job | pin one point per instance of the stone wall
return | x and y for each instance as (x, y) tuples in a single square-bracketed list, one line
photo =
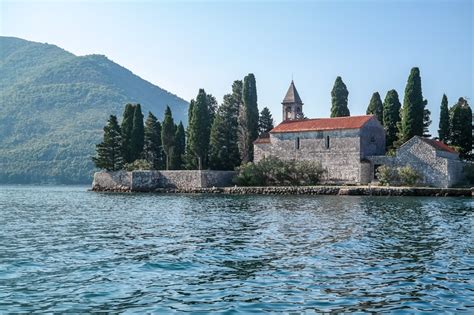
[(112, 181), (372, 139), (152, 180)]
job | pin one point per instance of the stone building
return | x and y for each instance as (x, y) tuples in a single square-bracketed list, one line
[(340, 144), (437, 163), (351, 148)]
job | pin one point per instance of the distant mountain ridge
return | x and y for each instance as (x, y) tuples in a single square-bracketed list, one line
[(54, 105)]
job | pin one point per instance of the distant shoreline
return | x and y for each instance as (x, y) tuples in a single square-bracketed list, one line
[(313, 190)]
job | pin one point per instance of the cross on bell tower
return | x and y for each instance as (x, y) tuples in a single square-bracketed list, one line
[(292, 104)]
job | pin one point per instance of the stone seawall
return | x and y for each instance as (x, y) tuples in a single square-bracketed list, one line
[(319, 190), (148, 181)]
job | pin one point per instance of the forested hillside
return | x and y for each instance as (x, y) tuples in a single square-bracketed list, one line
[(54, 104)]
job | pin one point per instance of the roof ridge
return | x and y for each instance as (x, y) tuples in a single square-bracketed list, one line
[(315, 124)]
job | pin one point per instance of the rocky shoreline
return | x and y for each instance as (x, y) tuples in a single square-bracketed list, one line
[(314, 190)]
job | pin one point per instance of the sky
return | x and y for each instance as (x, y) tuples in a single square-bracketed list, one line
[(182, 46)]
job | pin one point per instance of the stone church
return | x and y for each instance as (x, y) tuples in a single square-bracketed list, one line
[(350, 148)]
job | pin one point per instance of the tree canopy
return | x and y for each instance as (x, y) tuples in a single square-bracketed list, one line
[(265, 121), (413, 114), (339, 95), (376, 107), (443, 131), (109, 151), (153, 149), (391, 117), (168, 136)]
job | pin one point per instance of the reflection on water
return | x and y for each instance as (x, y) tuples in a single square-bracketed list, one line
[(65, 249)]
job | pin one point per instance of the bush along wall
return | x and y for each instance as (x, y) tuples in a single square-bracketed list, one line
[(398, 176), (273, 171)]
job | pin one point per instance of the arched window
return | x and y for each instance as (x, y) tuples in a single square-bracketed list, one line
[(297, 143), (327, 142)]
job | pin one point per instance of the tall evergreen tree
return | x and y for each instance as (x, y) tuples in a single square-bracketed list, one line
[(461, 127), (443, 131), (127, 126), (168, 136), (248, 118), (153, 149), (109, 151), (199, 131), (224, 150), (212, 108), (179, 148), (189, 158), (376, 107), (137, 133), (413, 112), (339, 96), (391, 117), (265, 121)]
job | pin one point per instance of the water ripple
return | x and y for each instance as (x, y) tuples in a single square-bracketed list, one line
[(63, 249)]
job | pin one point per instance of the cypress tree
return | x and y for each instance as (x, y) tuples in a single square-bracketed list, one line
[(248, 119), (168, 136), (199, 131), (413, 115), (443, 131), (109, 151), (127, 126), (339, 96), (137, 133), (179, 147), (224, 150), (153, 149), (461, 128), (376, 107), (189, 159), (391, 117), (265, 122), (212, 108)]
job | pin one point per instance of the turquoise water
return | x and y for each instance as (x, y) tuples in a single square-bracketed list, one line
[(66, 249)]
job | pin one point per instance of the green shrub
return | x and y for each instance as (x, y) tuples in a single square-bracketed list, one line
[(408, 176), (392, 176), (272, 171), (138, 165), (387, 175)]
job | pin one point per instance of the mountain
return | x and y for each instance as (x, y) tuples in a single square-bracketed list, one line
[(53, 106)]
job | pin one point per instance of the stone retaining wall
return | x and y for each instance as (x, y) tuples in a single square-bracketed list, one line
[(147, 181), (331, 190)]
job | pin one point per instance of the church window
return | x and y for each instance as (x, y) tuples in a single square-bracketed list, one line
[(297, 143), (327, 142)]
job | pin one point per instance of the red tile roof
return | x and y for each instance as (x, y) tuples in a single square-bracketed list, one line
[(438, 145), (319, 124)]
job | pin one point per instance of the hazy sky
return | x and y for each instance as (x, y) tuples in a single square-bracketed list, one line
[(188, 45)]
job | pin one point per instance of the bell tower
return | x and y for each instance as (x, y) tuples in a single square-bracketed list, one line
[(292, 104)]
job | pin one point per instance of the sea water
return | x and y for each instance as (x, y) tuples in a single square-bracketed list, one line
[(68, 249)]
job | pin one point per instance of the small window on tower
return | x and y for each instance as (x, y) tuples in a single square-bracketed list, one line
[(327, 142), (297, 143)]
